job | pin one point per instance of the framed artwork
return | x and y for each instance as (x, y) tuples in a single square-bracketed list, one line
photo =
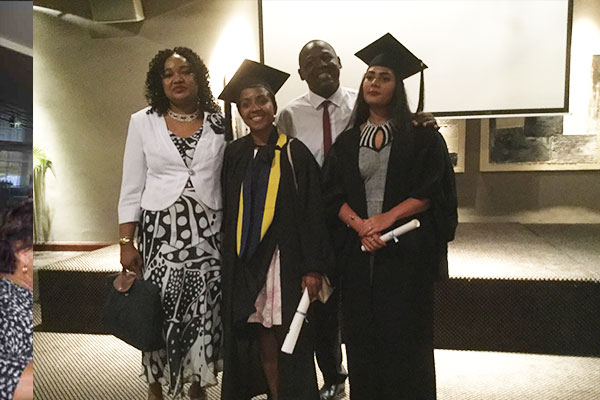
[(453, 131), (536, 144), (549, 143)]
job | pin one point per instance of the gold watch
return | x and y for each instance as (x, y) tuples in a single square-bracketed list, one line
[(124, 240)]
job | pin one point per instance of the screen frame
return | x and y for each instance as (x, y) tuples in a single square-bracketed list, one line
[(477, 113)]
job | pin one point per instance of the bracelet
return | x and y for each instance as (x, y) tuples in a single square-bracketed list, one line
[(125, 240), (352, 219)]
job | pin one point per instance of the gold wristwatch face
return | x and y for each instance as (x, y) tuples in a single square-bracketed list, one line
[(124, 240)]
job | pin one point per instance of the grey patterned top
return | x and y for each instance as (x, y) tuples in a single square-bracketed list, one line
[(368, 134), (16, 337), (373, 170)]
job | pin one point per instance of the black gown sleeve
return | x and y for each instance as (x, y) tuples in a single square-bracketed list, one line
[(310, 217), (334, 194), (429, 164), (436, 182)]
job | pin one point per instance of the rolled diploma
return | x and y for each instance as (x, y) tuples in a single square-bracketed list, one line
[(401, 230), (290, 339)]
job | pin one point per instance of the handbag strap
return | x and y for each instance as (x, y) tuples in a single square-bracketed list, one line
[(124, 281)]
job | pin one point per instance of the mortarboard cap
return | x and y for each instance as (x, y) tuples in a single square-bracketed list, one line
[(389, 52), (250, 74)]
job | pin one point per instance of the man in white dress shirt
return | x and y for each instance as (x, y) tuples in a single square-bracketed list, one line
[(317, 125), (303, 117)]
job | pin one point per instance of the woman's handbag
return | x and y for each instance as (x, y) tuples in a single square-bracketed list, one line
[(133, 312)]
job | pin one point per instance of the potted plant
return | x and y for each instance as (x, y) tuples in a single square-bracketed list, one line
[(41, 211)]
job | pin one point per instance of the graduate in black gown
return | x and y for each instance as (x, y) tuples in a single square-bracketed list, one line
[(274, 246), (379, 174)]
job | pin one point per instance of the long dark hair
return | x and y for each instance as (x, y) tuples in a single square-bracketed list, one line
[(155, 95), (16, 234), (401, 114)]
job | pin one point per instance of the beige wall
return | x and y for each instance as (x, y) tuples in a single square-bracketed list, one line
[(88, 79)]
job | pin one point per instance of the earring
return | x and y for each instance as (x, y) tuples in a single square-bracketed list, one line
[(25, 269)]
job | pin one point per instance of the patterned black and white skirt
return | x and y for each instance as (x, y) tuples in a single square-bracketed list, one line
[(180, 253)]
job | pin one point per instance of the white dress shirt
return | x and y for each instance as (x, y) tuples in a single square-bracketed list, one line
[(302, 118), (154, 174)]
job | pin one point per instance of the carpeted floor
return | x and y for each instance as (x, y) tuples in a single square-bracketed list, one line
[(510, 250), (483, 250), (99, 367)]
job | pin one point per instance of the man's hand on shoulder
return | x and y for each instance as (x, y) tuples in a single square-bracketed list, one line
[(425, 119)]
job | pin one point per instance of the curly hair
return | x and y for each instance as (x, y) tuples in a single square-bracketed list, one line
[(155, 95), (16, 234)]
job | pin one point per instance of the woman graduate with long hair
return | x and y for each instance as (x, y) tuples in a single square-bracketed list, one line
[(379, 174)]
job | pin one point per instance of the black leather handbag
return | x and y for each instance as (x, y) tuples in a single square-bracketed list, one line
[(133, 312)]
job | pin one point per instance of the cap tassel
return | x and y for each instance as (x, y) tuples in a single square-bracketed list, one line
[(228, 122), (421, 94)]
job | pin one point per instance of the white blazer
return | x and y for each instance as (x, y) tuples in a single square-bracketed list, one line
[(154, 174)]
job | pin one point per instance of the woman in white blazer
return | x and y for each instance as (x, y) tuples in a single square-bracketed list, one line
[(171, 194)]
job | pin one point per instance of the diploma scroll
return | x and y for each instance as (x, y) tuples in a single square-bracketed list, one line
[(290, 339), (399, 231)]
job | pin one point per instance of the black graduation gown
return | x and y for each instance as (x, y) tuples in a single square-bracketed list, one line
[(388, 308), (298, 229)]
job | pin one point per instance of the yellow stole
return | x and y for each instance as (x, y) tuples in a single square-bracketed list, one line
[(270, 200)]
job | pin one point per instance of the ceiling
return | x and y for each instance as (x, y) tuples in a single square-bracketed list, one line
[(16, 22)]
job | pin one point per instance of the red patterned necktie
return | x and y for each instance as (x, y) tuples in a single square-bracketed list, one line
[(326, 128)]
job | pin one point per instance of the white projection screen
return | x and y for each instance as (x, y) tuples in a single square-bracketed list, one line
[(484, 56)]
